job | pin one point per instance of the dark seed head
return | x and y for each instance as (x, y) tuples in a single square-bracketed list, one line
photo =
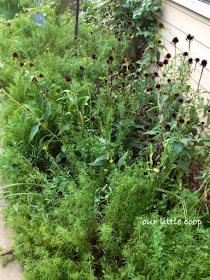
[(119, 39), (197, 60), (15, 55), (185, 54), (92, 119), (21, 63), (146, 75), (160, 64), (67, 48), (157, 86), (106, 81), (159, 42), (180, 100), (168, 55), (165, 61), (31, 64), (1, 86), (75, 38), (34, 80), (204, 63), (190, 61), (41, 75), (138, 73), (175, 40), (155, 74), (176, 94), (165, 93), (169, 80), (161, 25), (189, 37), (174, 115), (81, 68), (67, 78), (181, 120), (129, 23), (8, 24), (111, 58), (202, 123), (91, 32), (167, 127), (93, 56)]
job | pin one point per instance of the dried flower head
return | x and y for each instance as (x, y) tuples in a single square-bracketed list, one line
[(185, 54), (106, 81), (175, 40), (41, 75), (159, 42), (15, 55), (93, 56), (167, 127), (180, 100), (161, 25), (31, 64), (75, 38), (43, 121), (158, 86), (91, 32), (181, 120), (160, 64), (165, 61), (81, 68), (146, 75), (155, 74), (190, 61), (138, 73), (111, 58), (168, 55), (1, 86), (8, 24), (21, 63), (124, 67), (176, 94), (133, 68), (189, 37), (35, 80), (119, 39), (204, 63), (197, 60), (92, 119), (108, 61), (67, 78), (169, 80), (174, 115), (67, 48), (129, 23), (165, 93)]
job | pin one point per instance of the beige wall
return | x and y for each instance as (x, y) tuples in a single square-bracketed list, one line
[(182, 21)]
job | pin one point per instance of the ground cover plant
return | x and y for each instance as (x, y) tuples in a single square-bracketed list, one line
[(95, 145)]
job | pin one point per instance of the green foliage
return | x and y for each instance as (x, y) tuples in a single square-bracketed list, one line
[(94, 145)]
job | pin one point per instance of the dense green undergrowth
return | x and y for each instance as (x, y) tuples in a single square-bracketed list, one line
[(100, 155)]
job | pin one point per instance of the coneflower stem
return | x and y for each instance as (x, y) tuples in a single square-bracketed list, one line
[(89, 95), (200, 78)]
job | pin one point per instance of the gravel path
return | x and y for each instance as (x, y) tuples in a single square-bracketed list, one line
[(12, 271)]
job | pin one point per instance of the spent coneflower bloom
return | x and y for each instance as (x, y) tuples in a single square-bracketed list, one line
[(176, 94), (155, 74), (138, 73), (1, 86), (34, 80), (67, 78), (168, 55), (111, 58), (67, 48), (180, 100), (81, 68), (165, 61), (92, 119), (159, 42), (161, 25), (8, 24), (119, 39), (189, 37), (15, 55), (185, 54), (175, 41), (203, 64), (129, 23), (158, 86), (197, 60), (31, 64), (146, 75), (21, 63), (169, 80), (190, 61), (167, 127), (160, 64), (108, 61), (165, 93), (93, 56), (41, 75), (174, 115), (181, 120)]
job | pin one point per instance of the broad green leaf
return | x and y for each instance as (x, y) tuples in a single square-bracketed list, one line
[(24, 117), (48, 111), (43, 89), (194, 131), (99, 160), (8, 106), (182, 165), (188, 152), (163, 98), (158, 56), (41, 101), (151, 132), (185, 141), (34, 130), (73, 85), (207, 143), (177, 150), (29, 108), (122, 159), (60, 156), (1, 250), (64, 128)]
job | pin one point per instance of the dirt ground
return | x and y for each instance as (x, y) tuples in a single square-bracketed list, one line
[(12, 271)]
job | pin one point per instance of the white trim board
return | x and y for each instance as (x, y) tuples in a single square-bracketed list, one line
[(196, 6)]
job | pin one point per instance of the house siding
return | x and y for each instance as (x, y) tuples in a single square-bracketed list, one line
[(182, 21)]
